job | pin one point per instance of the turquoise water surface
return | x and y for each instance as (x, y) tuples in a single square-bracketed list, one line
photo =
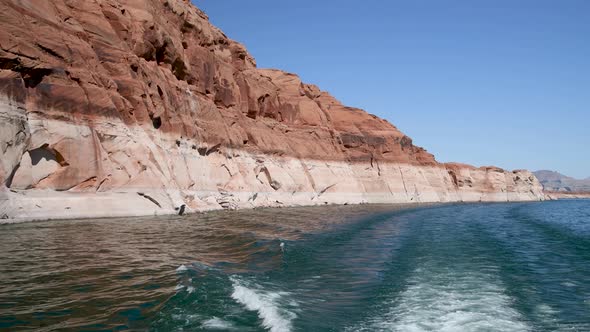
[(472, 267)]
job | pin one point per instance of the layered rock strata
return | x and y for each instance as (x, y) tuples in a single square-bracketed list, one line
[(137, 107)]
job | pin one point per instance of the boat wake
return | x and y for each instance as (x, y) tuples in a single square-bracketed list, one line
[(448, 301), (268, 305)]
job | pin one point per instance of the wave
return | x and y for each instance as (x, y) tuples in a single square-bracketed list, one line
[(266, 303), (217, 324), (448, 301)]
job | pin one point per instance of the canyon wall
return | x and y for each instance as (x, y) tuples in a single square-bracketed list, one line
[(142, 107)]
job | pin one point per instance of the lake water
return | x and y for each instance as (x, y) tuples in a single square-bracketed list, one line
[(476, 267)]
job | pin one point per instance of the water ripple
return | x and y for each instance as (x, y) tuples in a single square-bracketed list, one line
[(480, 267)]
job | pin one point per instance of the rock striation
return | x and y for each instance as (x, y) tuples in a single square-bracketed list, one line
[(141, 107)]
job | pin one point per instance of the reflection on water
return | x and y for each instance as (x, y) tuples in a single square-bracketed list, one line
[(115, 272)]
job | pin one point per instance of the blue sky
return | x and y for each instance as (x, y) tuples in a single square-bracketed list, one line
[(499, 82)]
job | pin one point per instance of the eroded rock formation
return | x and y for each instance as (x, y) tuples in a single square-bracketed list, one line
[(136, 107)]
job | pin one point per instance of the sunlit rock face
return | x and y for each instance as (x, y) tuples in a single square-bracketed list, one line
[(136, 107)]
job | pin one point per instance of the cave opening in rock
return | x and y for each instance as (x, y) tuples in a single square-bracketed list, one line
[(41, 153), (157, 122), (161, 53), (47, 153)]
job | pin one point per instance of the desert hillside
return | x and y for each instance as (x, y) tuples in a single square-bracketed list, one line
[(557, 182)]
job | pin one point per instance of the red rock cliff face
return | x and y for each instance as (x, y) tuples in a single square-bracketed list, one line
[(137, 60), (103, 94)]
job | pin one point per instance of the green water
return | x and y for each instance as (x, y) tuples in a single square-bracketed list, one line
[(482, 267)]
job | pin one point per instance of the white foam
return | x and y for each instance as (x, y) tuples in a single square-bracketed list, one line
[(265, 303), (546, 312), (217, 324), (569, 284), (452, 301), (181, 268)]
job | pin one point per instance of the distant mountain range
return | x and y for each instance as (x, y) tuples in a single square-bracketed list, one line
[(554, 181)]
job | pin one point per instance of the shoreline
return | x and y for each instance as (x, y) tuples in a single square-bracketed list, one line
[(377, 207), (234, 179), (52, 206), (562, 196)]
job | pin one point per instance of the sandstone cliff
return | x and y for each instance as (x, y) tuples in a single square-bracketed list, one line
[(136, 107)]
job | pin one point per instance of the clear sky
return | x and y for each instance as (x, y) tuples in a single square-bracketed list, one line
[(490, 82)]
